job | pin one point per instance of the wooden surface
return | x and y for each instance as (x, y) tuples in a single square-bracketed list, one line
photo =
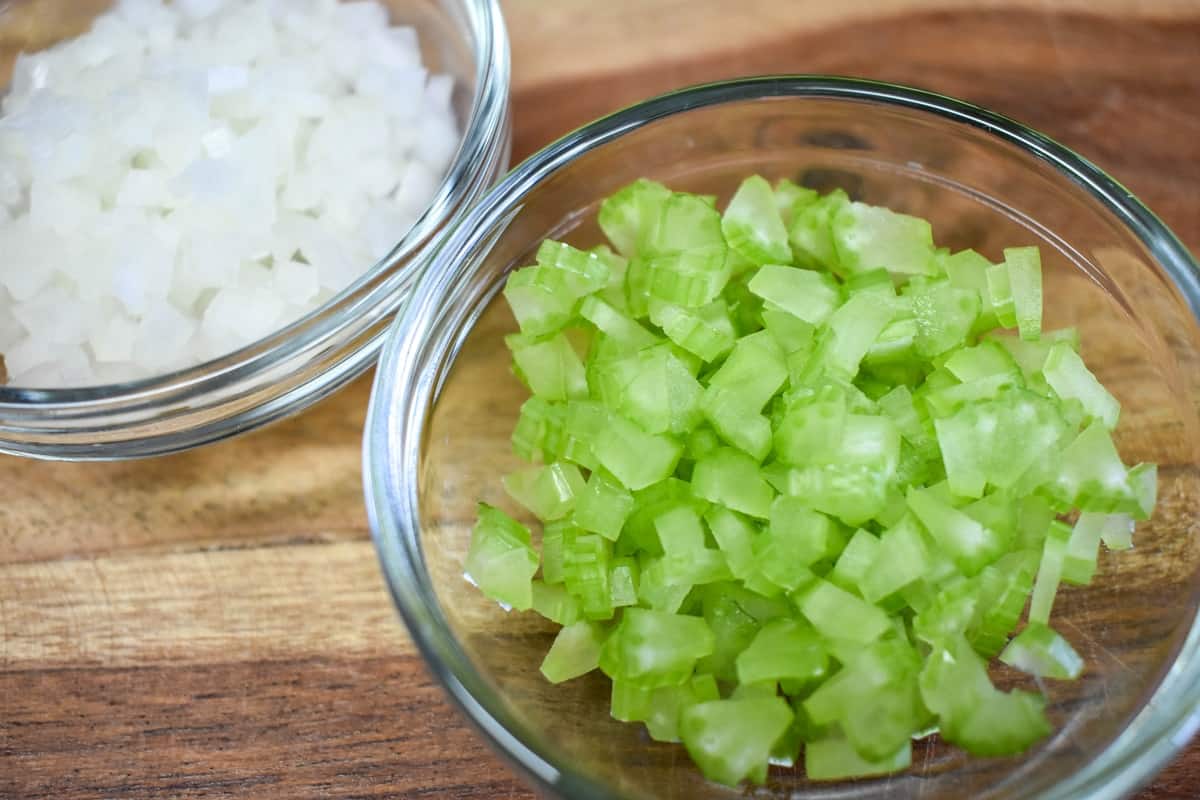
[(213, 624)]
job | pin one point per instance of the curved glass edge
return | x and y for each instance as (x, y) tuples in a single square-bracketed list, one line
[(32, 419), (392, 447)]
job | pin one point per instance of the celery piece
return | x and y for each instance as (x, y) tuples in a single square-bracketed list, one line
[(582, 272), (948, 614), (732, 626), (750, 376), (575, 652), (630, 703), (1001, 295), (811, 426), (1143, 485), (657, 590), (900, 560), (684, 253), (1033, 520), (833, 758), (652, 387), (810, 233), (795, 536), (894, 344), (540, 432), (555, 603), (1070, 379), (1116, 530), (872, 237), (616, 325), (849, 334), (731, 740), (1025, 280), (584, 423), (1049, 573), (735, 536), (944, 314), (585, 572), (706, 332), (679, 530), (753, 226), (984, 360), (803, 293), (793, 335), (636, 458), (539, 306), (627, 215), (1001, 591), (1083, 547), (554, 537), (655, 648), (548, 491), (854, 493), (623, 582), (731, 478), (1042, 652), (1091, 475), (967, 269), (651, 503), (550, 367), (783, 649), (915, 428), (855, 561), (876, 282), (501, 560), (603, 506), (969, 544), (790, 197), (836, 613), (668, 703)]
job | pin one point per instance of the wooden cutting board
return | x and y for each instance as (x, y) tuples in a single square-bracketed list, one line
[(213, 624)]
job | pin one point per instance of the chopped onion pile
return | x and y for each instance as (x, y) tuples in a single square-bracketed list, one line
[(188, 177), (796, 488)]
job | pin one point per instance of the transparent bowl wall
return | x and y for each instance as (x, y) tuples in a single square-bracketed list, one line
[(319, 353), (445, 402)]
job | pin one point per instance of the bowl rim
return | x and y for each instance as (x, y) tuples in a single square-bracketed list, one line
[(245, 389), (404, 389)]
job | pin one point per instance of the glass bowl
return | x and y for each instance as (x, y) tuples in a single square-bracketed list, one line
[(322, 351), (445, 401)]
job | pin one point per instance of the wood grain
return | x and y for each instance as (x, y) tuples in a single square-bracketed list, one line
[(213, 624)]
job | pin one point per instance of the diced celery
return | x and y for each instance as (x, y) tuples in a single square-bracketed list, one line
[(1143, 485), (1091, 475), (1116, 530), (1025, 280), (855, 561), (654, 648), (793, 335), (1042, 652), (983, 360), (636, 458), (550, 367), (811, 427), (668, 703), (834, 758), (582, 272), (1083, 547), (540, 432), (854, 493), (731, 740), (501, 560), (554, 602), (603, 506), (969, 544), (575, 652), (1049, 573), (1001, 295), (732, 479), (1001, 591), (949, 614), (539, 308), (554, 536), (652, 387), (615, 325), (684, 253), (548, 491), (967, 269), (706, 332), (657, 588), (790, 197), (735, 536), (806, 294), (753, 226), (1070, 379), (784, 649), (751, 375), (944, 314), (811, 235), (623, 582), (585, 572), (836, 613), (849, 334), (900, 560), (626, 216), (630, 703), (872, 237), (899, 406), (732, 626)]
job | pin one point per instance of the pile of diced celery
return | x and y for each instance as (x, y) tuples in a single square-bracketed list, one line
[(796, 487)]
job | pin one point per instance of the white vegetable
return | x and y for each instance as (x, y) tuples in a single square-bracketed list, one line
[(190, 176)]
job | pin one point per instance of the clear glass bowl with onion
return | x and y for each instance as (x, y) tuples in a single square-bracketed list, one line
[(445, 401), (321, 351)]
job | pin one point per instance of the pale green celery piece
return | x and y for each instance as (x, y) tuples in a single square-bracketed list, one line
[(554, 602), (943, 402), (586, 559), (548, 491), (1143, 484), (685, 253), (806, 294), (550, 367), (854, 493), (870, 440), (794, 335), (584, 422), (967, 269), (750, 376), (895, 343), (945, 315), (623, 582), (656, 589), (630, 703), (731, 478), (850, 332), (901, 559), (783, 649), (872, 237), (833, 758), (501, 560), (998, 510), (655, 648), (651, 387), (1049, 573), (969, 544), (790, 198), (732, 626), (1033, 520), (701, 441), (1025, 280), (735, 536), (855, 561), (731, 740), (949, 613), (811, 427), (865, 671), (795, 538), (603, 506), (876, 282), (554, 537), (810, 233), (1001, 295), (914, 427), (1002, 588), (1031, 356), (616, 325), (539, 307), (1116, 530), (1079, 559), (753, 226), (706, 332), (575, 652), (628, 214), (680, 531), (984, 360), (1070, 379), (540, 432), (958, 441), (668, 703), (836, 613), (1091, 475), (651, 503), (1041, 651), (636, 458), (583, 272)]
